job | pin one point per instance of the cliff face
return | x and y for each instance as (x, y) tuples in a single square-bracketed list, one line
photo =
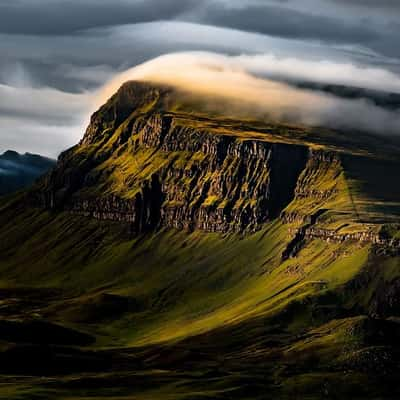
[(143, 162), (221, 184)]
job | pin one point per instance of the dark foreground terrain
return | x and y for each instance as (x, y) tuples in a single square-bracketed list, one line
[(189, 255)]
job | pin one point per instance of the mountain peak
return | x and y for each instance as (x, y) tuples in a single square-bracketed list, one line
[(131, 96)]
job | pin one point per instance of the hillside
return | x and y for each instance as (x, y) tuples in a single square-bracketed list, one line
[(179, 253), (20, 170)]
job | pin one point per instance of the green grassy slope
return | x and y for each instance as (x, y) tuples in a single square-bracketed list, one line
[(182, 283), (179, 315)]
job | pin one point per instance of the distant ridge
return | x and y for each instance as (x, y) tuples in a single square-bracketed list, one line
[(20, 170)]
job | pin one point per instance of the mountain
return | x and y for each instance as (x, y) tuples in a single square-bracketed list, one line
[(181, 252), (20, 170)]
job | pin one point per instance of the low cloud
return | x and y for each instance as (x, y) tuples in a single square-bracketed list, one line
[(322, 71), (233, 78), (47, 120)]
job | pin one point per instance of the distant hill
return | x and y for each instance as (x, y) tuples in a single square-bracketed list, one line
[(20, 170)]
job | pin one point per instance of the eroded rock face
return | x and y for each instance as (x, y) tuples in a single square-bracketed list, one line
[(235, 185), (213, 181), (143, 211)]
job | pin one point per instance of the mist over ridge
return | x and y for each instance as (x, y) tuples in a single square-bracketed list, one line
[(256, 82)]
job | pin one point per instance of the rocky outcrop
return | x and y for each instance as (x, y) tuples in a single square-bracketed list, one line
[(309, 231), (143, 212), (300, 236), (316, 185), (131, 97)]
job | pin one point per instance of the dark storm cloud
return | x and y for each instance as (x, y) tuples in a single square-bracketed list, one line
[(354, 23), (54, 17), (285, 22), (380, 4), (75, 63), (333, 21)]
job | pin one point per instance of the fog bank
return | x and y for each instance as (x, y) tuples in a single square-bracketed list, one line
[(249, 79)]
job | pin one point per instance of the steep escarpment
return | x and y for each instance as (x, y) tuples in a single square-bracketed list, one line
[(192, 177), (141, 163), (203, 181)]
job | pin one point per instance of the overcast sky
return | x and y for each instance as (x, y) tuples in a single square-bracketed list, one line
[(55, 54)]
